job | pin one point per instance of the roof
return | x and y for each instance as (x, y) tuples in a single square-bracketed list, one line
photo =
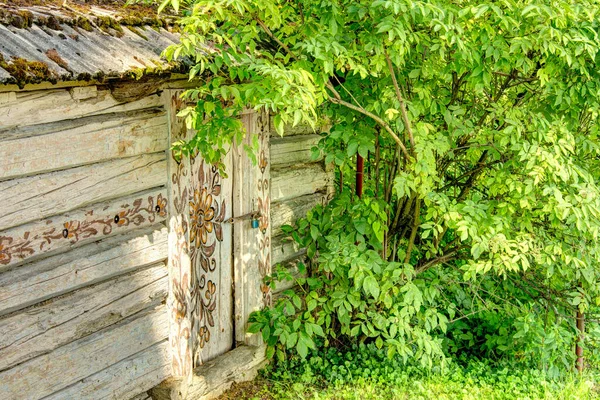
[(52, 40)]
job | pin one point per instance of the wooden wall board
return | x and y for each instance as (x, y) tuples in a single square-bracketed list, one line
[(69, 144), (251, 246), (49, 373), (286, 212), (293, 150), (44, 106), (87, 265), (42, 196), (289, 183), (45, 327), (129, 378), (63, 232)]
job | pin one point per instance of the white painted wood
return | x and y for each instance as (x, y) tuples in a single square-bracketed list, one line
[(83, 266), (7, 98), (140, 372), (46, 237), (221, 327), (71, 363), (70, 145), (215, 377), (286, 212), (301, 180), (200, 255), (43, 106), (47, 326), (293, 150), (84, 92), (29, 199), (251, 247), (179, 189)]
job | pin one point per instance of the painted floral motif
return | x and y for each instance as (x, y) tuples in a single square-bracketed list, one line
[(202, 214), (199, 213), (48, 236), (264, 205)]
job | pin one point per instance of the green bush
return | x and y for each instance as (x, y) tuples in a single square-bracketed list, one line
[(351, 294), (365, 372)]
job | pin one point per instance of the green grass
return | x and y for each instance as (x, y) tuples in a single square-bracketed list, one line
[(367, 374)]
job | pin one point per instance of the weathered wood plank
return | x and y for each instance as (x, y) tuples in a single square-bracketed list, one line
[(43, 106), (215, 377), (103, 138), (83, 266), (100, 121), (50, 236), (285, 249), (69, 364), (286, 212), (138, 373), (200, 255), (304, 179), (252, 246), (292, 150), (29, 199), (45, 327)]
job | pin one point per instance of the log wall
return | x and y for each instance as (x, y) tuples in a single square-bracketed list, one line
[(297, 185), (83, 245), (84, 239)]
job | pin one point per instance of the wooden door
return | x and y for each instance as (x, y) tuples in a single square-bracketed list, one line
[(209, 256), (200, 299)]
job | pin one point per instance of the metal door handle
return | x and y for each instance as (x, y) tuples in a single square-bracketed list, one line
[(235, 220)]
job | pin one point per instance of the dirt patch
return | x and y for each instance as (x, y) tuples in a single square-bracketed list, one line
[(256, 389)]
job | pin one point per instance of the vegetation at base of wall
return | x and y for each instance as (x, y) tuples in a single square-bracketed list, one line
[(364, 372), (477, 232)]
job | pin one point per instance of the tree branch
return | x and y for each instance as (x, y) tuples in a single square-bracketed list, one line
[(403, 112), (374, 117), (413, 233)]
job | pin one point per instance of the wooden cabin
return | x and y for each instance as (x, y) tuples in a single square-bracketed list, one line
[(125, 274)]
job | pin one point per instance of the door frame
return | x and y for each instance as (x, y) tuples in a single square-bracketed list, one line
[(250, 246)]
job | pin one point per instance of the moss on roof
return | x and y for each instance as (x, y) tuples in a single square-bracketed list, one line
[(48, 40)]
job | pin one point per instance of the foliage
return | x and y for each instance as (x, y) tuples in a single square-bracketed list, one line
[(479, 125), (351, 294), (364, 372)]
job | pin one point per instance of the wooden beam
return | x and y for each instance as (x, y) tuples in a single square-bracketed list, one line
[(138, 373), (301, 180), (252, 247), (69, 364), (215, 377), (293, 150), (45, 327), (60, 233), (44, 106), (86, 265), (285, 249), (286, 212), (42, 196), (66, 144)]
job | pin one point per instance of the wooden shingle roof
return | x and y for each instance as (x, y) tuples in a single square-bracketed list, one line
[(48, 40)]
